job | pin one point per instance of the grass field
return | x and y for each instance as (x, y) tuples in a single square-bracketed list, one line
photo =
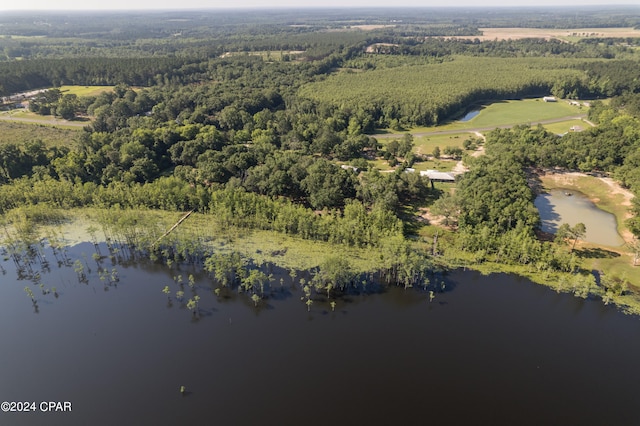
[(14, 132), (565, 126), (22, 116), (440, 165), (84, 90), (505, 113), (426, 144), (26, 114)]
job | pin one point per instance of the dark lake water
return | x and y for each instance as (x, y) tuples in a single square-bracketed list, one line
[(556, 208), (494, 350)]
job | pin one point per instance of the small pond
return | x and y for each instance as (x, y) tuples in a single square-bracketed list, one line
[(471, 114), (493, 350), (560, 206)]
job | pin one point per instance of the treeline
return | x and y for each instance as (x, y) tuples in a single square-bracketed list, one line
[(353, 225), (19, 76), (519, 48)]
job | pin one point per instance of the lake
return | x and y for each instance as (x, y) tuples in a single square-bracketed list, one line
[(496, 350), (556, 208)]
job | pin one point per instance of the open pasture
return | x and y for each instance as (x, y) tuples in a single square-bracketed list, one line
[(425, 144), (511, 113), (25, 117), (85, 90), (514, 112), (18, 133), (563, 127)]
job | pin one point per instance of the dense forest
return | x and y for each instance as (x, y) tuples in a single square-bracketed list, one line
[(267, 121)]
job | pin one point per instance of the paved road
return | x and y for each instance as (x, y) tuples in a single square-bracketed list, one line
[(481, 129)]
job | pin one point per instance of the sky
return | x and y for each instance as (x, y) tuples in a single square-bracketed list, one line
[(6, 5)]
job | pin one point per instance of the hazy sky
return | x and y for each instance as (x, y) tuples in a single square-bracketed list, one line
[(206, 4)]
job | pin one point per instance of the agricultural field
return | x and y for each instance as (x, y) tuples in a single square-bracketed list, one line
[(572, 34)]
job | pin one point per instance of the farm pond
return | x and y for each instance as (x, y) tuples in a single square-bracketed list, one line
[(496, 350), (559, 206), (469, 115)]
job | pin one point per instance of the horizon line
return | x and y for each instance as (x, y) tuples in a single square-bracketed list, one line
[(245, 8)]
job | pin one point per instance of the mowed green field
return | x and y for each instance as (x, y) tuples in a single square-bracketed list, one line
[(85, 90), (566, 126), (521, 112), (558, 117), (511, 113)]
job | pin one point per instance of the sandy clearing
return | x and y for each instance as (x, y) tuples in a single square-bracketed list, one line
[(520, 33)]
